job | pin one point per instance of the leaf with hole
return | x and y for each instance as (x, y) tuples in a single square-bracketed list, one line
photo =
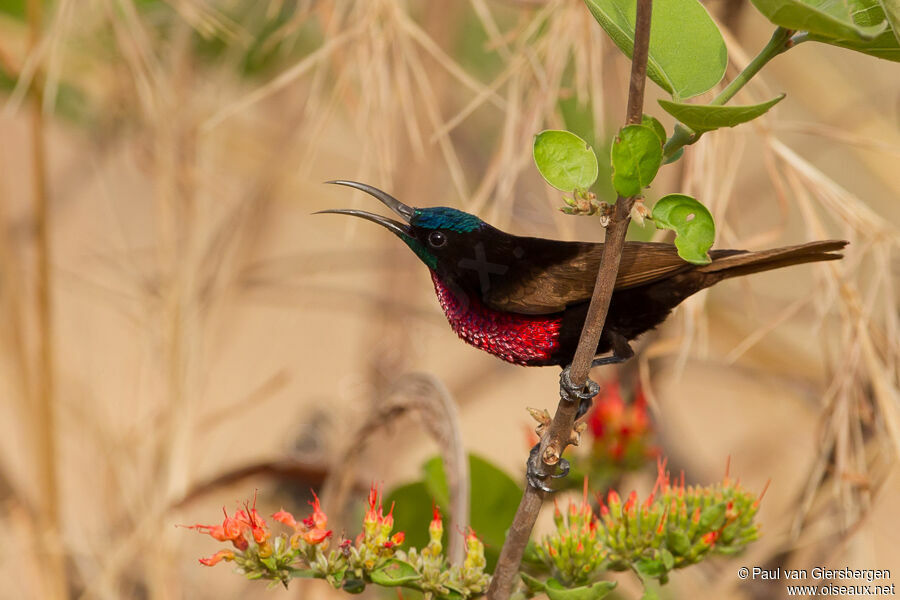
[(692, 223), (687, 53), (566, 161), (636, 156), (705, 117)]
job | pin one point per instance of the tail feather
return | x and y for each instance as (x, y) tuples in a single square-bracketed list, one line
[(744, 263)]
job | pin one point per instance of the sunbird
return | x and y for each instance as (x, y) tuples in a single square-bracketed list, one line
[(525, 299)]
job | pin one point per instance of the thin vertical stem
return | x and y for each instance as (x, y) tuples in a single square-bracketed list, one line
[(560, 430)]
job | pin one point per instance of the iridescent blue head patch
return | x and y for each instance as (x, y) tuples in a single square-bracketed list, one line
[(442, 217)]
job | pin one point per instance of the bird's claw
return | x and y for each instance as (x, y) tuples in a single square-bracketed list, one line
[(571, 392), (535, 475), (583, 395), (564, 468)]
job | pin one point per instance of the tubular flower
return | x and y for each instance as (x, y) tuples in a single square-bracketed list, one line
[(231, 530), (226, 555)]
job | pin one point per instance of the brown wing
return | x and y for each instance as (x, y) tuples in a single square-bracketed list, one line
[(559, 276)]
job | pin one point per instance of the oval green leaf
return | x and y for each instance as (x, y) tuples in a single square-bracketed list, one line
[(636, 156), (394, 572), (687, 52), (566, 161), (692, 223), (825, 18), (705, 117), (595, 591)]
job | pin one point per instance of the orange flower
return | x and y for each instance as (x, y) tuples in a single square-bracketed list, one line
[(226, 555), (316, 536), (286, 518), (318, 520), (231, 530)]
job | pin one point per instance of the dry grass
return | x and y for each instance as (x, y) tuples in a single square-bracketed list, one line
[(203, 321)]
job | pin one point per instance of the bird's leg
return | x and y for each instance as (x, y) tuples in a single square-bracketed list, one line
[(534, 473), (584, 395), (621, 351)]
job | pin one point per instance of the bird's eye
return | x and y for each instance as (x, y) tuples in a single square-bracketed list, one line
[(436, 239)]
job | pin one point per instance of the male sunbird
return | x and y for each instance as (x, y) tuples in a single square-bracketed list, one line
[(525, 299)]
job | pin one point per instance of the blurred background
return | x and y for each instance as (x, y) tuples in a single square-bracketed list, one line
[(180, 332)]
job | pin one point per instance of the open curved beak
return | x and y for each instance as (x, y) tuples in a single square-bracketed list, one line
[(404, 211)]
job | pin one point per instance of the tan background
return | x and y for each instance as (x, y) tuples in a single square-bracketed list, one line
[(203, 320)]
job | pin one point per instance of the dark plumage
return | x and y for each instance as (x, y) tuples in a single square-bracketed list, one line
[(524, 299)]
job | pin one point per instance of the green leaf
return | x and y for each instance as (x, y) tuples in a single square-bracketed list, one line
[(705, 117), (650, 593), (667, 559), (354, 586), (687, 53), (636, 157), (566, 161), (692, 223), (678, 542), (826, 18), (712, 517), (656, 126), (535, 586), (869, 13), (649, 567), (594, 591), (394, 572), (302, 573), (891, 10), (269, 563)]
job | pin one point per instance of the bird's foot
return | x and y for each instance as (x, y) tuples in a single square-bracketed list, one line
[(534, 473), (608, 360), (584, 395)]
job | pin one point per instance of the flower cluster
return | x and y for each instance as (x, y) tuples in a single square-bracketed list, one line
[(374, 556), (440, 580), (674, 527), (575, 553), (256, 552)]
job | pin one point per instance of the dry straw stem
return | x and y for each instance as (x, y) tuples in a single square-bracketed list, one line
[(560, 430), (44, 415), (424, 396)]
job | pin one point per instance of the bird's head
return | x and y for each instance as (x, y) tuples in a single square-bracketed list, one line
[(439, 235)]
